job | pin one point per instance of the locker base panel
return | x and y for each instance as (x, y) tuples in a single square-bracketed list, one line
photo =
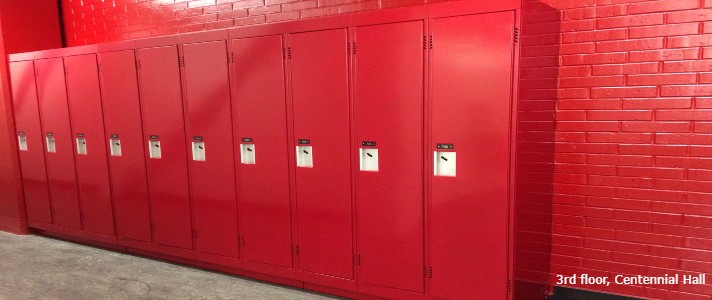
[(388, 292), (76, 235), (156, 248), (326, 280)]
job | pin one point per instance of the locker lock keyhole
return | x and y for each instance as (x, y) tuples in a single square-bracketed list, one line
[(117, 144), (157, 146), (201, 147), (443, 157), (305, 151), (248, 149), (369, 154)]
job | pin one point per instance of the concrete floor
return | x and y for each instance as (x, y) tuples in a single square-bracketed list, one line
[(34, 267)]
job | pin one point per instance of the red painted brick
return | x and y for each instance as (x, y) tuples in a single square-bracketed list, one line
[(574, 71), (571, 115), (628, 138), (543, 50), (687, 66), (578, 48), (649, 194), (201, 3), (586, 148), (592, 36), (689, 41), (299, 5), (580, 13), (587, 59), (285, 16), (247, 4), (656, 127), (629, 21), (629, 45), (663, 55), (620, 160), (587, 126), (651, 103), (217, 8), (611, 10), (700, 151), (648, 238), (673, 115), (619, 115), (578, 25), (683, 139), (684, 162), (663, 30), (662, 6), (262, 10), (616, 245), (576, 210), (589, 104), (219, 24), (240, 13), (591, 81), (689, 16), (618, 181), (651, 172), (700, 175), (705, 127), (686, 90), (250, 20), (657, 79), (627, 69)]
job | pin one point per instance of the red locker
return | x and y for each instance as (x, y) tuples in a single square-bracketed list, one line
[(164, 132), (54, 115), (209, 127), (29, 134), (321, 107), (261, 129), (471, 103), (87, 120), (388, 102), (122, 120)]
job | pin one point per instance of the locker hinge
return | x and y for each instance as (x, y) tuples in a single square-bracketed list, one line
[(296, 249), (230, 57), (195, 233), (98, 68), (138, 64), (181, 62), (242, 241), (509, 285), (430, 42), (516, 35)]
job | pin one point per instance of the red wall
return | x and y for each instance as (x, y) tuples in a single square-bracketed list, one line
[(96, 21), (628, 84), (30, 25)]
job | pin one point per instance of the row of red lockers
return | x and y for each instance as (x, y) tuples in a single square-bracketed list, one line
[(350, 158)]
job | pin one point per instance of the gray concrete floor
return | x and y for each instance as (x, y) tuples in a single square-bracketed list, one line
[(34, 267)]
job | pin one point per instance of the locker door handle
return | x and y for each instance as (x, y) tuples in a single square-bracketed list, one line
[(117, 144), (305, 151), (201, 147), (369, 154), (248, 149), (157, 146), (443, 157)]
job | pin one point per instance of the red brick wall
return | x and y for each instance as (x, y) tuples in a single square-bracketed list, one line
[(96, 21), (632, 98)]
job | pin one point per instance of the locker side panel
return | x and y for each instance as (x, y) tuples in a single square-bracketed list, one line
[(388, 105), (320, 99), (87, 121), (471, 110), (260, 115), (32, 161), (162, 113), (54, 114), (122, 119), (209, 120)]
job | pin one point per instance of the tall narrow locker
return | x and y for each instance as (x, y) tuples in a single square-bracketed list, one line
[(388, 101), (261, 129), (57, 135), (29, 135), (470, 144), (209, 129), (321, 108), (122, 120), (89, 146), (165, 142)]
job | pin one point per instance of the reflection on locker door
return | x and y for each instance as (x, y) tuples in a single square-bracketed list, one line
[(471, 111), (88, 131), (261, 121), (57, 134), (32, 161), (388, 105), (164, 132), (321, 123), (209, 125), (122, 119)]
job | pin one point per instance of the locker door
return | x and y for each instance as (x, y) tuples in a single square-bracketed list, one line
[(261, 129), (320, 97), (388, 104), (29, 134), (471, 101), (57, 136), (122, 119), (209, 126), (165, 142), (90, 150)]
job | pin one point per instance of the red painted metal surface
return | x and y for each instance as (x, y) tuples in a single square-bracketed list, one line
[(162, 114), (32, 161), (54, 115), (122, 120), (260, 114), (209, 120), (469, 213), (321, 107), (388, 99), (87, 120)]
